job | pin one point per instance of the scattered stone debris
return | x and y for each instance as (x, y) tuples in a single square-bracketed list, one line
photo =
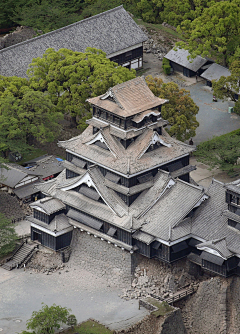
[(156, 43), (46, 262), (163, 283), (11, 207)]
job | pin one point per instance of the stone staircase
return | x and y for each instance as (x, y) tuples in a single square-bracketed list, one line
[(20, 256)]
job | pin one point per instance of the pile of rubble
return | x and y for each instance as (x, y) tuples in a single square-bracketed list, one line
[(10, 206), (162, 285), (156, 44), (45, 262)]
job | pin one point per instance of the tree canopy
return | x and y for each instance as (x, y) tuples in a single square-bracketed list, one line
[(180, 111), (47, 319), (229, 87), (8, 236), (215, 33), (71, 77), (32, 115)]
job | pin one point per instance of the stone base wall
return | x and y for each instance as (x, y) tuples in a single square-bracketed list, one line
[(101, 258), (169, 324)]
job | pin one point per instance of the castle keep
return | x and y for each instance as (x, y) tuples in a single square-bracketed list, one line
[(126, 182)]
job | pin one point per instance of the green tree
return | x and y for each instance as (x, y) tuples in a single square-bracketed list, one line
[(13, 86), (46, 15), (8, 235), (221, 152), (71, 77), (47, 319), (215, 33), (172, 12), (228, 87), (26, 118), (180, 111), (166, 66)]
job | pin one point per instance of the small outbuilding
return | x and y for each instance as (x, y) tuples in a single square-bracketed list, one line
[(215, 72), (180, 62)]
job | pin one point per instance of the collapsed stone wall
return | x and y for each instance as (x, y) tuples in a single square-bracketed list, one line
[(214, 308), (101, 258), (169, 324), (155, 277)]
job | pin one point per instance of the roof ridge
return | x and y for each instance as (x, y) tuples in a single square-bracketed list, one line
[(60, 29)]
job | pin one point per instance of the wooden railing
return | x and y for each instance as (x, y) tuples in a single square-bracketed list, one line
[(177, 296)]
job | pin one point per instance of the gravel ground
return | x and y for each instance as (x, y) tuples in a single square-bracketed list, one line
[(22, 292)]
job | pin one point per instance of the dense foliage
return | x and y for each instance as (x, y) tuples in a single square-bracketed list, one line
[(25, 114), (215, 33), (221, 152), (180, 111), (59, 73), (52, 14), (8, 235)]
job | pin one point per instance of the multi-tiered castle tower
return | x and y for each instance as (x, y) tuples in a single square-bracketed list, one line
[(126, 181)]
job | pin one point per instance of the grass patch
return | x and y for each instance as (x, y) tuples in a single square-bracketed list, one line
[(163, 307), (221, 152), (36, 152), (159, 27), (89, 327)]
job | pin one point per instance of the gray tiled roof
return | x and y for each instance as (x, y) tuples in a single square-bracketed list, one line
[(73, 168), (215, 72), (127, 161), (144, 237), (111, 31), (180, 57), (25, 191), (132, 97), (165, 217), (234, 186), (49, 205), (59, 223), (11, 176), (218, 245), (210, 221), (46, 166)]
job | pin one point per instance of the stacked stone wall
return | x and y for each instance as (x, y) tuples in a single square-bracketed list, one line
[(101, 258), (169, 324)]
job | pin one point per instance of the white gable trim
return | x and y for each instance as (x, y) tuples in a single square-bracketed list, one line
[(86, 179), (154, 140), (54, 234), (211, 251), (100, 137), (202, 199), (38, 208), (107, 94)]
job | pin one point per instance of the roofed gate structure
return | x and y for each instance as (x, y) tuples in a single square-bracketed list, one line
[(126, 181)]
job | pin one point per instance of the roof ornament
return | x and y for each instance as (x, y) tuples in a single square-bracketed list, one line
[(108, 94)]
